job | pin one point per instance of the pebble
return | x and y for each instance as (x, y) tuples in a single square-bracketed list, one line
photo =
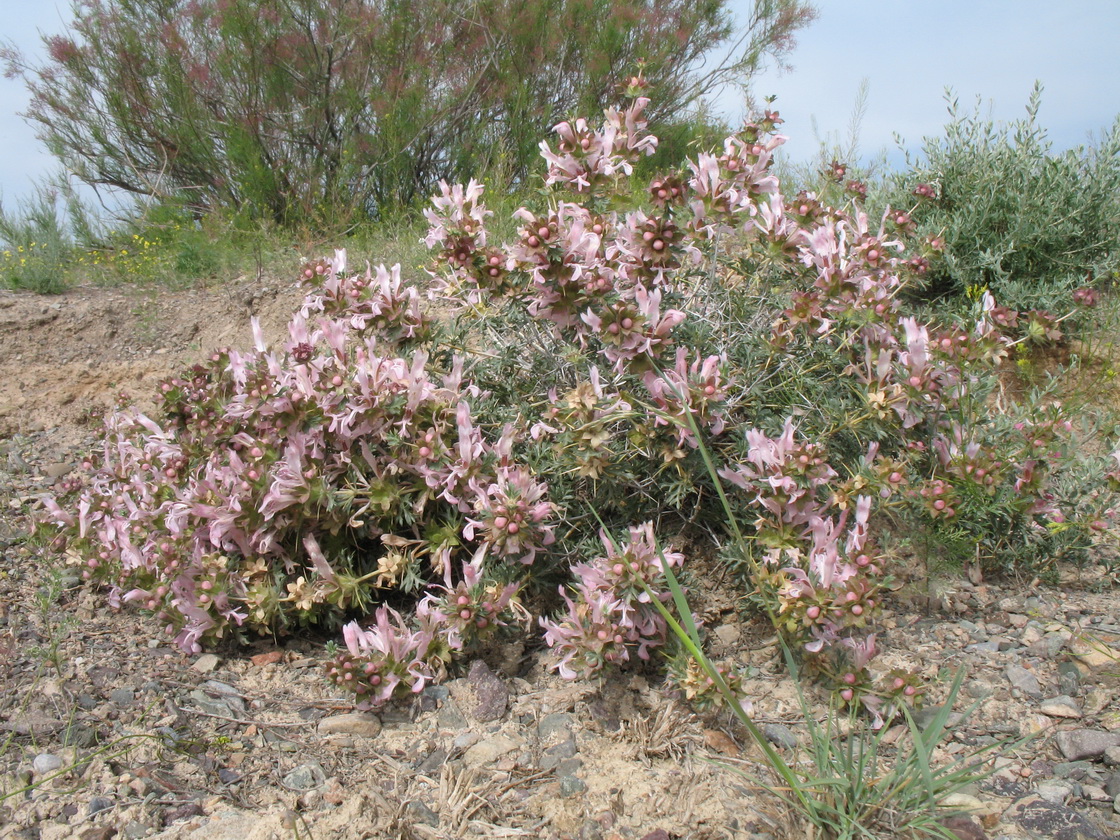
[(780, 734), (571, 786), (1024, 680), (1060, 707), (557, 725), (206, 663), (362, 724), (99, 804), (45, 763), (1076, 744), (491, 693), (489, 750), (422, 813), (305, 777)]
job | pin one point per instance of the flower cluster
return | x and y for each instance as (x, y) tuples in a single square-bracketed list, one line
[(288, 486), (612, 615)]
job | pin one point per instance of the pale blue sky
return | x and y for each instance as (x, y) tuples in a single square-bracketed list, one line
[(908, 50)]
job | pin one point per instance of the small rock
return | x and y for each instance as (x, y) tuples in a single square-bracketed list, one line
[(432, 762), (979, 689), (362, 724), (1112, 786), (45, 763), (491, 692), (99, 804), (571, 786), (122, 696), (727, 634), (963, 802), (422, 813), (780, 734), (1069, 677), (134, 829), (489, 750), (305, 777), (269, 658), (1060, 707), (206, 663), (555, 726), (228, 777), (1076, 744), (1024, 680), (554, 755), (1047, 821), (1112, 756), (1058, 791)]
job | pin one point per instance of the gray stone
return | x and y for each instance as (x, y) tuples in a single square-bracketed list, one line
[(1024, 680), (122, 696), (1112, 786), (432, 762), (554, 755), (421, 813), (305, 777), (1060, 707), (1112, 756), (491, 693), (448, 717), (45, 763), (557, 725), (571, 786), (1069, 678), (361, 724), (99, 804), (1076, 744), (490, 750), (134, 829), (979, 689), (780, 734), (1058, 791), (1047, 821), (206, 663), (569, 767)]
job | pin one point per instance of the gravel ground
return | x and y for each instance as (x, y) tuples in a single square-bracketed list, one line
[(106, 733)]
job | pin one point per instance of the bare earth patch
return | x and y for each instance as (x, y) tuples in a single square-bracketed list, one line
[(106, 732)]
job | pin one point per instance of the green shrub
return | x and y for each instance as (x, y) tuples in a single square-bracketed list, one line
[(1029, 224)]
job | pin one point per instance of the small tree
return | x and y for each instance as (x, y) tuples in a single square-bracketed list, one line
[(323, 109)]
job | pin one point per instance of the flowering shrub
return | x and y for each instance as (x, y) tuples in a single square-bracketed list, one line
[(301, 486), (621, 282), (293, 487)]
